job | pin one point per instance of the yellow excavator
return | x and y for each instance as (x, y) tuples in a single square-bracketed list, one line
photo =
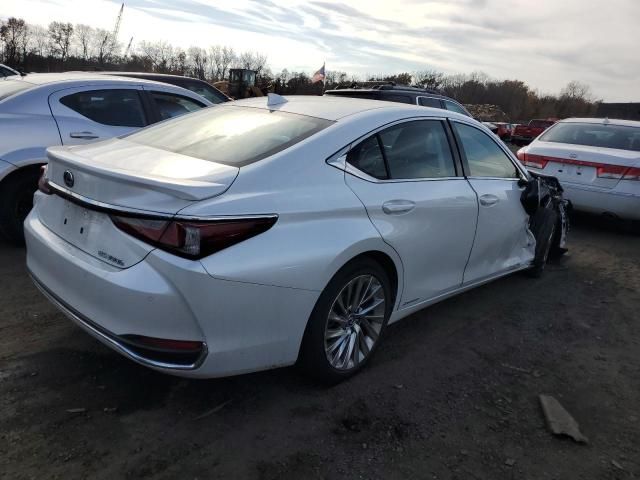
[(241, 84)]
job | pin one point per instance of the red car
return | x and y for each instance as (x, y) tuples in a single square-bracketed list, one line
[(505, 130), (524, 134)]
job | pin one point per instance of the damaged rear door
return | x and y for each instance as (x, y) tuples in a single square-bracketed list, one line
[(503, 241)]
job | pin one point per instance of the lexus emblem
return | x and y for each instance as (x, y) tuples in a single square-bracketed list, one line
[(573, 155), (68, 178)]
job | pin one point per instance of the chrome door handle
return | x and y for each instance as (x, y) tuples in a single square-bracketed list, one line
[(398, 207), (488, 200), (84, 135)]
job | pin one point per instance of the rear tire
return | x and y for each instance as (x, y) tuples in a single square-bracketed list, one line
[(16, 201), (543, 226), (348, 318)]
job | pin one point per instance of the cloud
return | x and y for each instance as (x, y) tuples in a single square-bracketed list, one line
[(546, 46)]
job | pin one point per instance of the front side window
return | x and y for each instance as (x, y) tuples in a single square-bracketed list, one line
[(620, 137), (170, 105), (484, 157), (411, 150), (230, 134), (454, 107), (115, 107)]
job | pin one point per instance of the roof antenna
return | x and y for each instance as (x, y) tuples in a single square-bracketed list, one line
[(275, 99)]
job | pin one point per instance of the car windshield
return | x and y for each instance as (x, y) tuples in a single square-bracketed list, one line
[(231, 135), (595, 135), (11, 87)]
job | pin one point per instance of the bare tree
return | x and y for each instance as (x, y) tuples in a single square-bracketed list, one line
[(38, 41), (577, 90), (252, 61), (428, 78), (13, 34), (85, 40), (220, 59), (158, 54), (198, 59), (60, 34), (101, 45)]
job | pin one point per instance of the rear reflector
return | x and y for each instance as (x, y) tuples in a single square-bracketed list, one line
[(191, 239)]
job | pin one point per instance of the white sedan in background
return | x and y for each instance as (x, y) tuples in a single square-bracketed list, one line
[(596, 160), (243, 237)]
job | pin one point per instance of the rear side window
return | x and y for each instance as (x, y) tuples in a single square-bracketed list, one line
[(410, 150), (367, 157), (430, 102), (620, 137), (397, 98), (454, 107), (115, 107), (484, 157), (230, 135), (207, 92), (170, 105)]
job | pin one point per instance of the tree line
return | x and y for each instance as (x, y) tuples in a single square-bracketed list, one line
[(63, 46)]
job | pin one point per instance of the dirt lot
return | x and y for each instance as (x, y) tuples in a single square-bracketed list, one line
[(452, 393)]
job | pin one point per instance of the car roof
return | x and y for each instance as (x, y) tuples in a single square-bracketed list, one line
[(47, 78), (602, 121), (332, 108), (149, 75)]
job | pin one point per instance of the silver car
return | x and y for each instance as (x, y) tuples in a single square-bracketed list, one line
[(42, 110)]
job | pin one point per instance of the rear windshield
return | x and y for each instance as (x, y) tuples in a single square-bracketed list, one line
[(11, 87), (595, 135), (230, 135)]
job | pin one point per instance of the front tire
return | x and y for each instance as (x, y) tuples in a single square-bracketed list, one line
[(348, 321), (543, 226)]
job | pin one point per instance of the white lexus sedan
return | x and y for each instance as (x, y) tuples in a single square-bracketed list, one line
[(267, 231), (596, 160)]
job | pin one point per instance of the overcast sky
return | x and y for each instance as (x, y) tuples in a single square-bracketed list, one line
[(546, 43)]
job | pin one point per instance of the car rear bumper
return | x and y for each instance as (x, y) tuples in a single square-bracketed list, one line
[(623, 204), (243, 327)]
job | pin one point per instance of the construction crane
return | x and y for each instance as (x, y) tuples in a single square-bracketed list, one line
[(113, 41), (126, 52)]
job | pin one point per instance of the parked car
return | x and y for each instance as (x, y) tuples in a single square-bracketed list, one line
[(597, 161), (246, 236), (504, 130), (491, 126), (196, 85), (523, 134), (41, 110), (7, 71), (402, 94)]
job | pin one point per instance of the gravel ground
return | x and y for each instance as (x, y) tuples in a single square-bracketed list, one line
[(451, 394)]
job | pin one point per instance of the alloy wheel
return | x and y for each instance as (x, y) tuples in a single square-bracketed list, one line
[(354, 322)]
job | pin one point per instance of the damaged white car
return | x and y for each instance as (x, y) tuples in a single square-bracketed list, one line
[(269, 231)]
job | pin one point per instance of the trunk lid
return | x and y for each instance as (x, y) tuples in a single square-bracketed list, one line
[(579, 163), (122, 175), (127, 174)]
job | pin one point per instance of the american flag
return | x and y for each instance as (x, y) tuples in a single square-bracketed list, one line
[(318, 76)]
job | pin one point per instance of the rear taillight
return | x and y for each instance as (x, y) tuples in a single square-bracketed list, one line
[(535, 161), (615, 172), (193, 239), (521, 155), (632, 174), (43, 181)]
